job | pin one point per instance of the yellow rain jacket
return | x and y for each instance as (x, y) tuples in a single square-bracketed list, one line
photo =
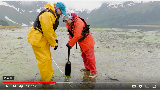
[(41, 43), (47, 20)]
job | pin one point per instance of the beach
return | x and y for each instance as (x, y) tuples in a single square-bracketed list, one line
[(124, 57)]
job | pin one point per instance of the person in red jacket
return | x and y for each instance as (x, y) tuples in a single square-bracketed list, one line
[(75, 26)]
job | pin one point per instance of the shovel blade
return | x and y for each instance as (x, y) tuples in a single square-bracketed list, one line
[(68, 68)]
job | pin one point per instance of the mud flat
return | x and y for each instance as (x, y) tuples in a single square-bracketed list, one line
[(123, 57)]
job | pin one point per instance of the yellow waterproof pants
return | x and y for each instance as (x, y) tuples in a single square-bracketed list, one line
[(44, 61)]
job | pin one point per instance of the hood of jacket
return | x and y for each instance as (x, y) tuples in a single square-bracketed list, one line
[(50, 6)]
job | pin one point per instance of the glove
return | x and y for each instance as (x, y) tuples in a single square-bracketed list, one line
[(56, 41), (57, 45), (68, 46), (55, 48)]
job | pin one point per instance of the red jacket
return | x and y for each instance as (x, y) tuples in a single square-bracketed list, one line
[(87, 43)]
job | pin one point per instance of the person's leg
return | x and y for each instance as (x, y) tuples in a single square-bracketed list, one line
[(91, 60), (43, 56), (86, 65)]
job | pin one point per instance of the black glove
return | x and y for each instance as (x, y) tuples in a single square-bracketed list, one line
[(56, 41), (57, 45), (68, 46)]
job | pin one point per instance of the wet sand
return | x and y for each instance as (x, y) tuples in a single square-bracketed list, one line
[(123, 57)]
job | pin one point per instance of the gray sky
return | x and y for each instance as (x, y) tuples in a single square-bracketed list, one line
[(89, 4), (83, 4)]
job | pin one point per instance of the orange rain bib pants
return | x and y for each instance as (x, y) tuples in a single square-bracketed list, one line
[(89, 60)]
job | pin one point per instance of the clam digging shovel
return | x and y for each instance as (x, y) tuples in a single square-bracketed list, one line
[(68, 65)]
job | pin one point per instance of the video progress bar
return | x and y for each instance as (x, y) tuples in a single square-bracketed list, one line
[(29, 82), (85, 82), (116, 82), (37, 82)]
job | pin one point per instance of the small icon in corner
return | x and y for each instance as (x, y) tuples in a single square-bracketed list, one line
[(140, 86), (133, 86), (154, 86), (14, 85), (146, 86), (8, 77), (21, 86), (6, 85)]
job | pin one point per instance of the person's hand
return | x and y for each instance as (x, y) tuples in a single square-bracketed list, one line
[(55, 48), (68, 46), (56, 41)]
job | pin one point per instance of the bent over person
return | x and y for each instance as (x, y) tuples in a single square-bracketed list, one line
[(42, 35), (79, 32)]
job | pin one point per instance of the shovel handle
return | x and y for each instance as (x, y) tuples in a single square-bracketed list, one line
[(68, 53), (76, 45)]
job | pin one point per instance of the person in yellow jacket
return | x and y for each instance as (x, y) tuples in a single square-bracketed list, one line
[(41, 38)]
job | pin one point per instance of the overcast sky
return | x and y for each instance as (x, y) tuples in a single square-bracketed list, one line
[(87, 4), (82, 4), (90, 4)]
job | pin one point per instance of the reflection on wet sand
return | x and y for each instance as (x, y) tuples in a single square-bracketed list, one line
[(87, 82)]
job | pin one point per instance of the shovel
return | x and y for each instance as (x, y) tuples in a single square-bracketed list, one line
[(68, 65)]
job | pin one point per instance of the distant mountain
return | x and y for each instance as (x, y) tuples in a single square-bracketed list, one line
[(19, 13), (128, 13), (23, 13), (3, 23)]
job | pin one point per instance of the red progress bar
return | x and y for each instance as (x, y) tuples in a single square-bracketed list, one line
[(29, 82)]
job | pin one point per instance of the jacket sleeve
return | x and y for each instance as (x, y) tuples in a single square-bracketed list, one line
[(68, 32), (70, 37), (47, 20), (78, 27)]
